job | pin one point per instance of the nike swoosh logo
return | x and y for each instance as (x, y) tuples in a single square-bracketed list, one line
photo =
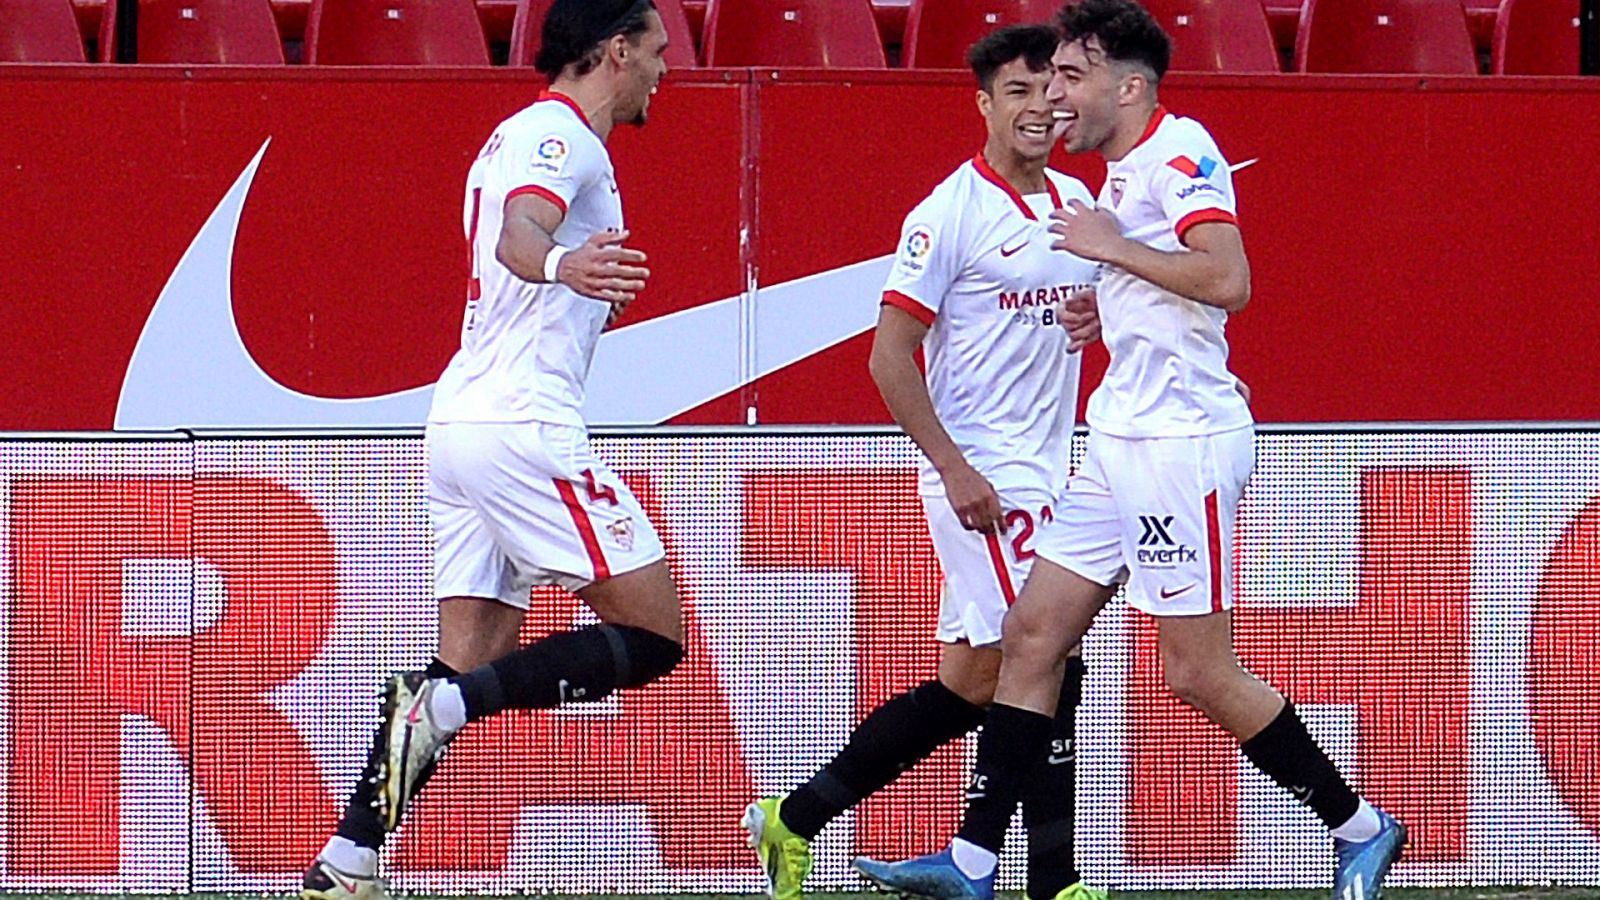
[(349, 886), (191, 369), (1240, 167), (1055, 760), (1168, 595), (1014, 250)]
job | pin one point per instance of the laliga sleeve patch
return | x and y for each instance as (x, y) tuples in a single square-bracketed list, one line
[(550, 155), (916, 248)]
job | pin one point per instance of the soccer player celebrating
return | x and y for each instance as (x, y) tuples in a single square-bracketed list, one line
[(516, 496), (978, 287), (1171, 445)]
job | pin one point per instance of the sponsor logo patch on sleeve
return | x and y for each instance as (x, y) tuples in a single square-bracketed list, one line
[(918, 244), (1202, 187), (1189, 167), (550, 155)]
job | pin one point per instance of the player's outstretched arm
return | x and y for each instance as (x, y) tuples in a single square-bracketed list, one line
[(602, 269), (1213, 270), (894, 369)]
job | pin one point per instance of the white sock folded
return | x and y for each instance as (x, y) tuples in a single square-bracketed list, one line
[(972, 860), (448, 707), (350, 857), (1363, 826)]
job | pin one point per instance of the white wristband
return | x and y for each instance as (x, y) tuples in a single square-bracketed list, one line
[(552, 262)]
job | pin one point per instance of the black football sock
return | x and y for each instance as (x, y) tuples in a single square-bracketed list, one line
[(891, 739), (360, 823), (1012, 742), (1286, 752), (581, 666), (1050, 802)]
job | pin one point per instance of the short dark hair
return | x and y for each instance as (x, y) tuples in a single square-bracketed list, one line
[(1034, 44), (1125, 30), (574, 29)]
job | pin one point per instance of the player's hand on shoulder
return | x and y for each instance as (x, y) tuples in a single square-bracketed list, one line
[(605, 269), (974, 500), (1085, 231), (1081, 317)]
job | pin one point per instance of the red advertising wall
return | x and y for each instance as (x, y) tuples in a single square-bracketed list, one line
[(1423, 250), (194, 630)]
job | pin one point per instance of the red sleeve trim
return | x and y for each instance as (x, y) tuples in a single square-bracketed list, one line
[(1199, 216), (538, 191), (902, 302)]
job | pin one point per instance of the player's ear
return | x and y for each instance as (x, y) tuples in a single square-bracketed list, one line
[(1132, 87), (985, 102)]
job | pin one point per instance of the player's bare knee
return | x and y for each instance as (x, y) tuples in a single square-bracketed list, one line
[(1182, 683), (465, 653), (981, 694), (661, 611), (474, 631), (969, 672), (667, 611), (1024, 626), (1195, 682), (977, 688), (645, 598), (1030, 652)]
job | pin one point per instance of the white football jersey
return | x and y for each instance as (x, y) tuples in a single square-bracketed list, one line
[(526, 347), (975, 265), (1169, 359)]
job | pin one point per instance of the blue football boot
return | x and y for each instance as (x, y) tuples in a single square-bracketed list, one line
[(925, 878), (1362, 865)]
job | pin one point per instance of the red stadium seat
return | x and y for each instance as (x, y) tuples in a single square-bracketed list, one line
[(1283, 17), (1217, 35), (1396, 36), (938, 32), (526, 29), (224, 32), (39, 31), (829, 33), (1536, 37), (99, 20), (891, 16), (395, 33), (1480, 22)]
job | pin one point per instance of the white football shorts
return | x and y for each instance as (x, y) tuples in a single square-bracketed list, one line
[(515, 505), (983, 573), (1156, 514)]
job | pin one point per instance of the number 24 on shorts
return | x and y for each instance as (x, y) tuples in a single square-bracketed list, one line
[(1019, 525)]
